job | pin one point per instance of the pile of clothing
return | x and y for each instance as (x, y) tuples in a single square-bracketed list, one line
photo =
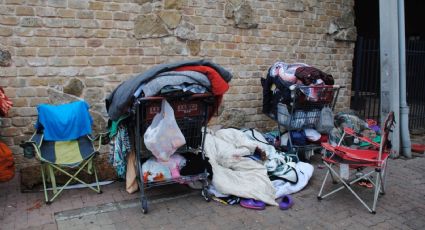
[(367, 128), (281, 76), (7, 164), (192, 76), (245, 165)]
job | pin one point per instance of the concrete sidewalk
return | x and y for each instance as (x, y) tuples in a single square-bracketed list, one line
[(176, 207)]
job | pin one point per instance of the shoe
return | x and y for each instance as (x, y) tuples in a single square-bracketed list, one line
[(252, 204), (365, 183), (285, 202)]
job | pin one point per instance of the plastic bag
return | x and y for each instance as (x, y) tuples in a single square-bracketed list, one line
[(155, 171), (326, 121), (283, 115), (163, 137)]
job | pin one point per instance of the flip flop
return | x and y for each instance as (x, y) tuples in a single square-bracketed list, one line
[(366, 184), (252, 204), (285, 202)]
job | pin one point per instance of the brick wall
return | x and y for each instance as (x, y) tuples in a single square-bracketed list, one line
[(101, 43)]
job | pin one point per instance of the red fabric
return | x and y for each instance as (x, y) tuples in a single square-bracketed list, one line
[(323, 138), (5, 103), (7, 166), (218, 85)]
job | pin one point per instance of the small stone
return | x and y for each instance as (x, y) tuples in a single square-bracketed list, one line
[(172, 46), (172, 4), (170, 18), (230, 6), (332, 28), (346, 20), (74, 87), (149, 26), (5, 58), (349, 35), (94, 95), (31, 22), (185, 31), (94, 43), (99, 123), (194, 47), (294, 6), (244, 17), (6, 32), (57, 97)]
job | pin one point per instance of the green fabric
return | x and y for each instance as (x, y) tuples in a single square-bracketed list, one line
[(113, 129), (377, 139), (67, 152)]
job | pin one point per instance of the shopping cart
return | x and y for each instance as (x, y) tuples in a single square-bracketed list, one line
[(303, 111), (192, 114)]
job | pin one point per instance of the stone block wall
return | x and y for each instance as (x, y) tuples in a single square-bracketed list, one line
[(55, 50)]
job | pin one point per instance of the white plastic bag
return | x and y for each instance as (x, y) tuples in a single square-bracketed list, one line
[(326, 120), (163, 137)]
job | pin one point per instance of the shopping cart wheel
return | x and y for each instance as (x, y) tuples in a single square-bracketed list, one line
[(206, 195), (144, 206)]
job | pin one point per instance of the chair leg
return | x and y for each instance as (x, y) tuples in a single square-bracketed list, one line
[(383, 175), (74, 176), (44, 184), (377, 190), (319, 196), (52, 178), (334, 181), (97, 181)]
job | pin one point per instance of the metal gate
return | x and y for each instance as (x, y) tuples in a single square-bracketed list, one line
[(366, 80)]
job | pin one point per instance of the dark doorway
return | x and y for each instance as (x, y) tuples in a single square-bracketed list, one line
[(366, 66)]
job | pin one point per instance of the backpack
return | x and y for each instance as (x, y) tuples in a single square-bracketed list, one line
[(7, 166), (326, 121)]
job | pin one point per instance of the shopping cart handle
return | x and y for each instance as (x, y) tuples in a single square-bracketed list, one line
[(294, 86)]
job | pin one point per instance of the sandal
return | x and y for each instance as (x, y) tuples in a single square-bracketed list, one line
[(365, 183), (252, 204), (285, 202)]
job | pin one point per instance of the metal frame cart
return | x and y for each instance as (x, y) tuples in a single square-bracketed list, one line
[(192, 114), (304, 112)]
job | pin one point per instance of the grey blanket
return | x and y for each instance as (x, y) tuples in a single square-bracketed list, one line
[(153, 86), (120, 100)]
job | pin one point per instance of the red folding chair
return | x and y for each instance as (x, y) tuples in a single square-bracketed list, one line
[(359, 161)]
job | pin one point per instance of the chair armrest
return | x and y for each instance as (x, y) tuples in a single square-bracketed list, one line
[(101, 139)]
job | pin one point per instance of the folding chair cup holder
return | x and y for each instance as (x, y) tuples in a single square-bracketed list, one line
[(63, 155), (359, 160)]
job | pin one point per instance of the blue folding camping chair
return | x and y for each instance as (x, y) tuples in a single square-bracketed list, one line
[(63, 141)]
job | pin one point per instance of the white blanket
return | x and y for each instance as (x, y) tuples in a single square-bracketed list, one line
[(304, 171), (233, 173)]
